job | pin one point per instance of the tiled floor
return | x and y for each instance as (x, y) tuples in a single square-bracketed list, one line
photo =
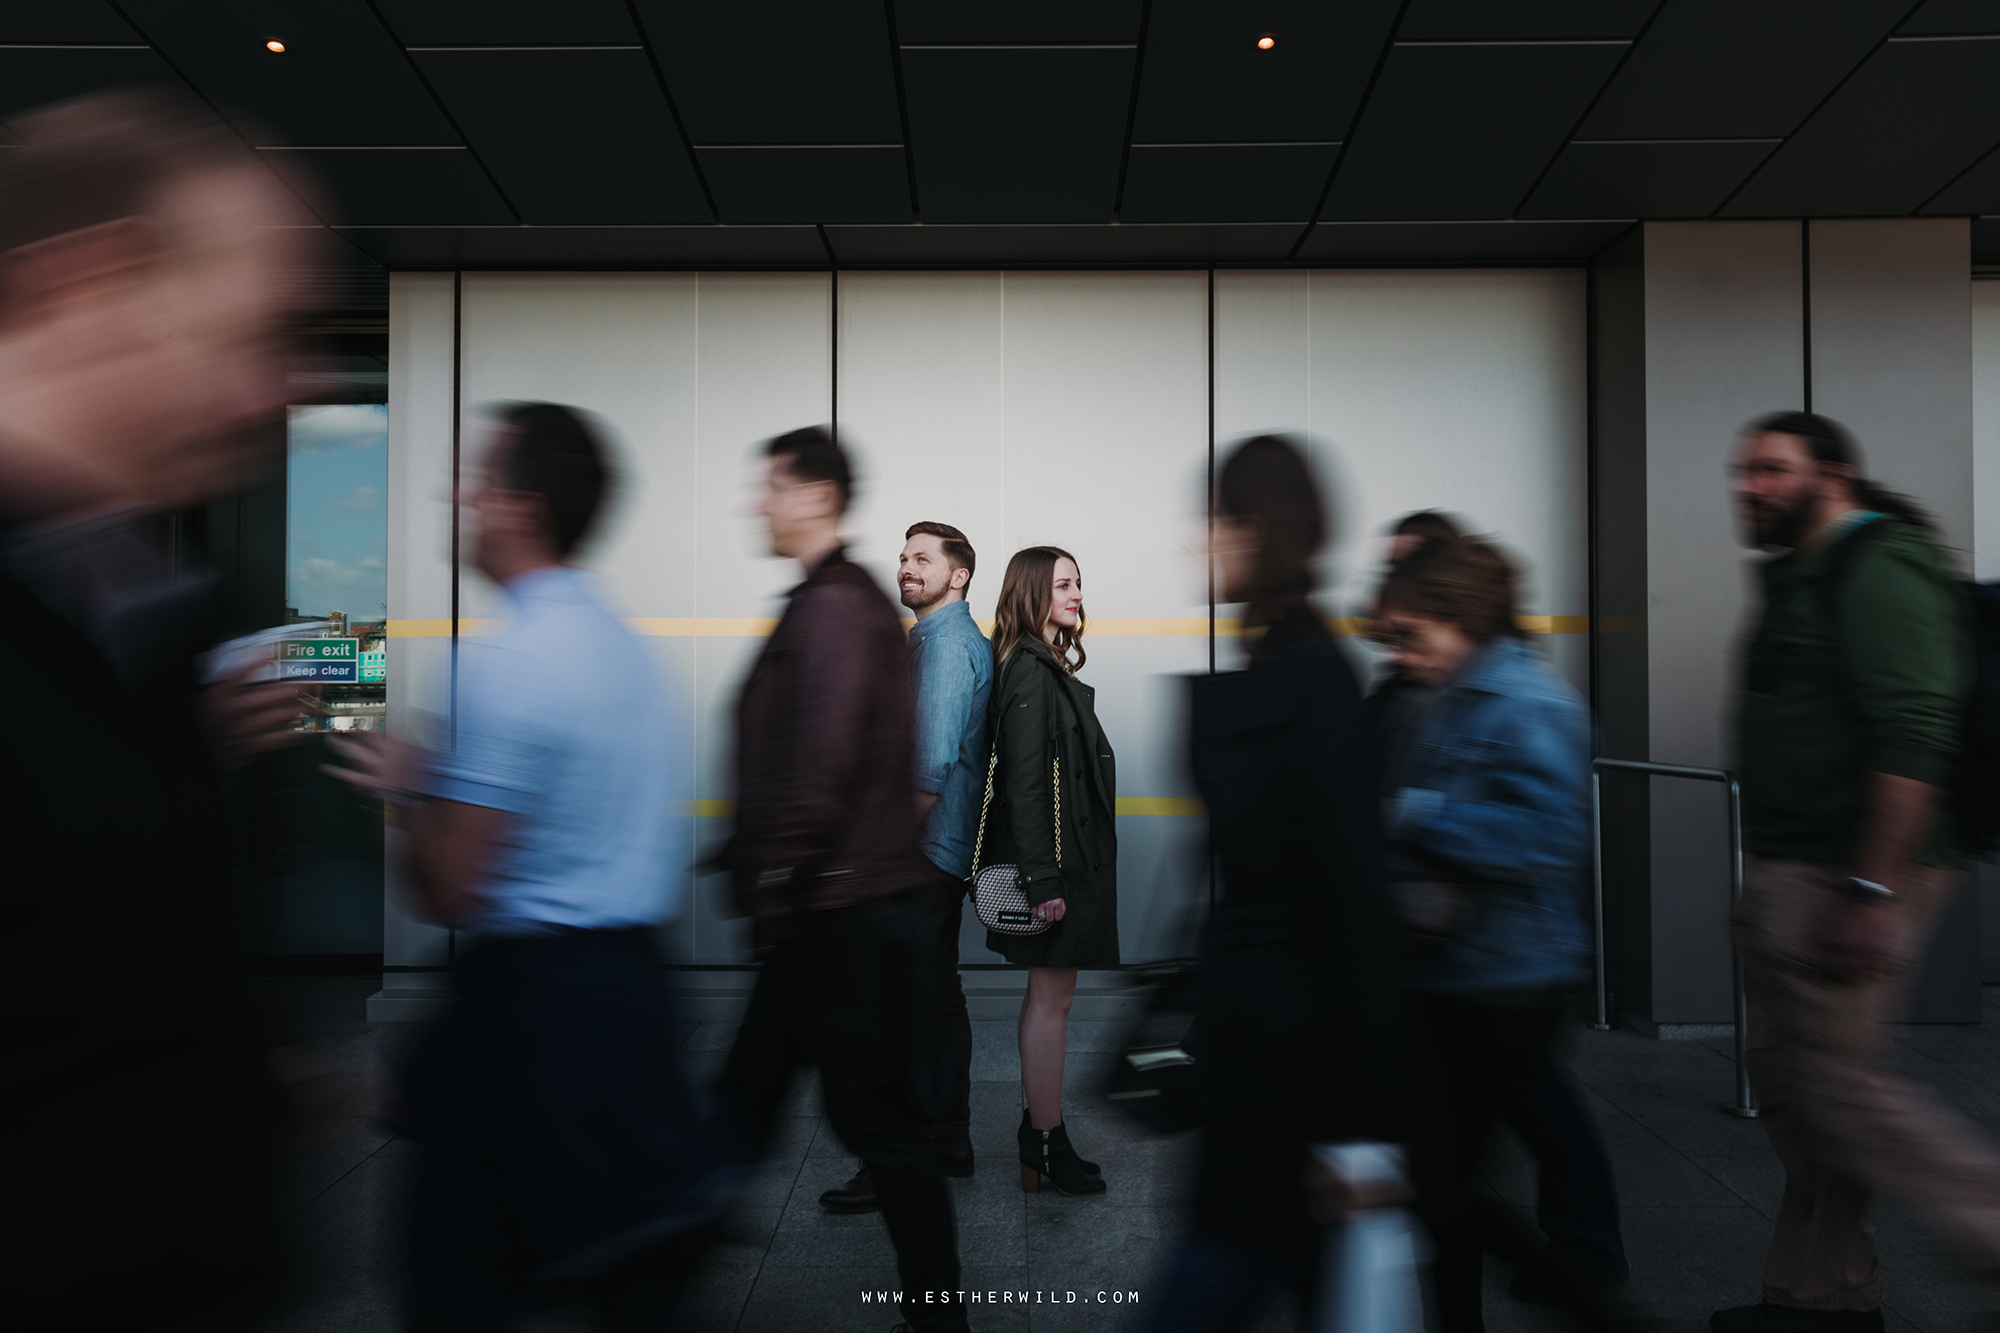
[(1698, 1189)]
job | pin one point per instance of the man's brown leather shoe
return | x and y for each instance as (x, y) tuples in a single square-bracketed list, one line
[(856, 1196)]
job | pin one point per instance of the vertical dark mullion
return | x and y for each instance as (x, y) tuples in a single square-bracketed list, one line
[(1805, 309), (457, 396)]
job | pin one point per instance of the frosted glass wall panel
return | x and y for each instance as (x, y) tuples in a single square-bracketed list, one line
[(1461, 390), (420, 573), (1068, 410), (689, 372)]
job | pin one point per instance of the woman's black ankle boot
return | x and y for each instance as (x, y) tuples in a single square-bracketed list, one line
[(1031, 1137), (1047, 1153)]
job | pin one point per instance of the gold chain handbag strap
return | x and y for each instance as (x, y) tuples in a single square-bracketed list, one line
[(985, 801), (1058, 783)]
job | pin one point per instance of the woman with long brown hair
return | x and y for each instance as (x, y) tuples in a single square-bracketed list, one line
[(1051, 811)]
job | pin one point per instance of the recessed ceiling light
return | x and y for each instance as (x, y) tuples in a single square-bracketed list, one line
[(1266, 42), (276, 46)]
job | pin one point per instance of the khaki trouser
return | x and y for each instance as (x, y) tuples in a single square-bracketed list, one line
[(1843, 1128)]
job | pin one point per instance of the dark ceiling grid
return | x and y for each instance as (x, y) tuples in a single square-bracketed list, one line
[(902, 120), (1634, 41), (1360, 108), (1956, 17), (1457, 131), (1910, 118), (673, 107), (1529, 20), (1722, 69), (577, 135), (985, 22), (1132, 108), (62, 23), (511, 22), (1024, 133), (1974, 191)]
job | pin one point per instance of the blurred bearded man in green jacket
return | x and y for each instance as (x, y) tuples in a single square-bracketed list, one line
[(1854, 694)]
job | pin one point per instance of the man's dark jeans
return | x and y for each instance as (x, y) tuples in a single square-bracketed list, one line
[(850, 990), (1576, 1201), (941, 905)]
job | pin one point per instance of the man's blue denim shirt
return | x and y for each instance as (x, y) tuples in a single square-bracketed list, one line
[(1500, 784), (951, 673)]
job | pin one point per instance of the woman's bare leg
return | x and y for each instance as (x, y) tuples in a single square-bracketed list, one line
[(1044, 1032)]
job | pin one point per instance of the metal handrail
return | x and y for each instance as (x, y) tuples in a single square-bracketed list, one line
[(1745, 1104)]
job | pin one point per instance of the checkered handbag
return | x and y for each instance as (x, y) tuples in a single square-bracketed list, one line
[(996, 891)]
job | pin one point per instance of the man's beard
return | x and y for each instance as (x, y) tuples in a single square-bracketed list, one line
[(926, 597), (1780, 527)]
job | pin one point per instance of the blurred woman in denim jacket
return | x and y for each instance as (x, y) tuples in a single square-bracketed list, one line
[(1488, 826)]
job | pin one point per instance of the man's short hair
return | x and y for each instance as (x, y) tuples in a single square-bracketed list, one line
[(1429, 524), (104, 157), (552, 451), (812, 454), (958, 552)]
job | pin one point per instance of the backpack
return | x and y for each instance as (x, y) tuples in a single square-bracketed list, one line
[(1972, 792)]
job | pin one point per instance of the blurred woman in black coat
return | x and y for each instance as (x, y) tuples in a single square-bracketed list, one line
[(1301, 1019)]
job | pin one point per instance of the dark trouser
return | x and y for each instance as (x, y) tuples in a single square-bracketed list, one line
[(846, 992), (1480, 1047), (1576, 1202), (1215, 1286), (940, 903), (559, 1138)]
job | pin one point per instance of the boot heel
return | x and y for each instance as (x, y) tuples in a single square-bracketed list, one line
[(1031, 1180)]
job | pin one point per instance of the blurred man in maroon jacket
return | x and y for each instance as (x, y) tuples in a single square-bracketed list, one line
[(825, 861)]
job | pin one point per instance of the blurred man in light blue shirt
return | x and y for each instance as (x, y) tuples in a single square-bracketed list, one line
[(559, 1136), (951, 674)]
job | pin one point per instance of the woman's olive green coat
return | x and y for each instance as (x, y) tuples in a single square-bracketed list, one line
[(1043, 722)]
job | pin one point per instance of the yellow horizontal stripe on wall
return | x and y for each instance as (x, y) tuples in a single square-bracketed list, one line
[(1105, 627), (1159, 805)]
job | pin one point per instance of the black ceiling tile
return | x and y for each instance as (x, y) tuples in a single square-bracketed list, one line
[(1457, 243), (785, 71), (341, 80), (577, 137), (1986, 241), (1644, 180), (62, 21), (1940, 16), (591, 247), (1205, 81), (508, 22), (1017, 20), (1523, 20), (808, 185), (31, 78), (1020, 135), (1913, 117), (1722, 69), (1226, 183), (1977, 191), (394, 187), (1463, 131), (1035, 246)]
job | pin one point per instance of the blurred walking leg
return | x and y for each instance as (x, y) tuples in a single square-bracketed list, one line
[(1843, 1128), (1481, 1045), (1576, 1199)]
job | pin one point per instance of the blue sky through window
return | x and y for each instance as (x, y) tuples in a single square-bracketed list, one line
[(336, 510)]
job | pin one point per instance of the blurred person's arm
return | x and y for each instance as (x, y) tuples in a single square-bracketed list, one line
[(1534, 815), (805, 807), (246, 718), (449, 846), (1901, 642), (943, 684)]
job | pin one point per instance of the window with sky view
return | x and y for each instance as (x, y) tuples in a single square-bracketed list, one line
[(337, 523)]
